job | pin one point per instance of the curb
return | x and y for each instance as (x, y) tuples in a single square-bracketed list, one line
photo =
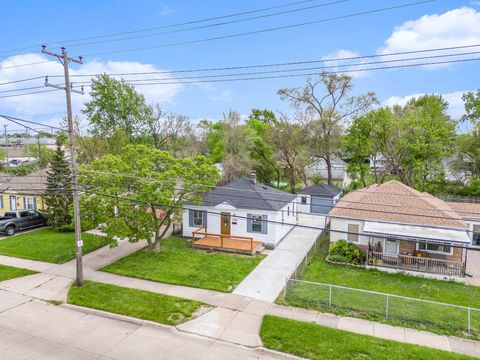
[(258, 350)]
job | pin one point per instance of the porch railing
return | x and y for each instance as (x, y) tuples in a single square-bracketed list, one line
[(202, 231), (415, 263)]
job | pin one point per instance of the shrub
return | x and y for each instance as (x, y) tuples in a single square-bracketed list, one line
[(339, 258), (347, 250)]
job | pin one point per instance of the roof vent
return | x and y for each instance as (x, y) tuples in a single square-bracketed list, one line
[(253, 177)]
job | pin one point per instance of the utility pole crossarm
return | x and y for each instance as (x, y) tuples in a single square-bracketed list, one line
[(65, 60)]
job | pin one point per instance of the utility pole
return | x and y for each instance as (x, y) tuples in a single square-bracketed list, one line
[(65, 60), (6, 141), (28, 144)]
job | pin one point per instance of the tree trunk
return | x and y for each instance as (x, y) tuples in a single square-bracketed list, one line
[(328, 162), (159, 234)]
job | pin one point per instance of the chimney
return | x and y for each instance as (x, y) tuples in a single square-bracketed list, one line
[(253, 177)]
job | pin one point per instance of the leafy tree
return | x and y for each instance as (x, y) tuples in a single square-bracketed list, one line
[(156, 185), (41, 152), (288, 138), (328, 110), (263, 151), (58, 196), (469, 144), (115, 106)]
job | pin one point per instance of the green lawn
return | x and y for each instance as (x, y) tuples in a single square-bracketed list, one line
[(141, 304), (48, 245), (177, 263), (318, 342), (430, 317), (10, 272)]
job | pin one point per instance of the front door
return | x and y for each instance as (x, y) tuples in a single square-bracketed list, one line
[(391, 247), (225, 223)]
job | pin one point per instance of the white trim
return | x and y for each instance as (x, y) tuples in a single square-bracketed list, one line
[(347, 233)]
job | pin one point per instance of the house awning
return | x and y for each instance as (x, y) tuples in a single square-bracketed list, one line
[(418, 233)]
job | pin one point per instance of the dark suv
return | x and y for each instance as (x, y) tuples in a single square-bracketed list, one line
[(21, 220)]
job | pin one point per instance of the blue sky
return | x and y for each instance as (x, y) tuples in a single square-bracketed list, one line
[(435, 24)]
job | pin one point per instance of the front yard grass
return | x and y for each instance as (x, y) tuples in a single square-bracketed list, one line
[(177, 263), (318, 342), (426, 316), (48, 245), (10, 272), (140, 304)]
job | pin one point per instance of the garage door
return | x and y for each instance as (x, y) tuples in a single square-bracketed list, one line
[(321, 204)]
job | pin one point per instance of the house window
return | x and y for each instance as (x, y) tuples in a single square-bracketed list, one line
[(353, 230), (435, 248), (257, 223), (304, 200), (29, 203), (13, 203), (197, 217), (476, 235)]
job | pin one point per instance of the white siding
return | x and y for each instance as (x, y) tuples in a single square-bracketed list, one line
[(275, 229), (341, 225)]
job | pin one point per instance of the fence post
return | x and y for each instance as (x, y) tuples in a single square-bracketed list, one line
[(330, 295), (386, 309), (468, 321)]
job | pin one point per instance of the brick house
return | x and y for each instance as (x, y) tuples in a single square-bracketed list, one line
[(401, 228)]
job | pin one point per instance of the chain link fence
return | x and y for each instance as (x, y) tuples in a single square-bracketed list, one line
[(399, 310)]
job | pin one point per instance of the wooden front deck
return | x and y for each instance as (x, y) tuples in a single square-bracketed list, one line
[(241, 244)]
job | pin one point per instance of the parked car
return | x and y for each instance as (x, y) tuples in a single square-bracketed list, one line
[(13, 221)]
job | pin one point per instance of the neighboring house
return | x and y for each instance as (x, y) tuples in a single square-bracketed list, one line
[(319, 168), (378, 163), (243, 208), (22, 192), (16, 155), (401, 228), (470, 213), (318, 199)]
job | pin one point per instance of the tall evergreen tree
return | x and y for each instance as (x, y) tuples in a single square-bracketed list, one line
[(59, 181)]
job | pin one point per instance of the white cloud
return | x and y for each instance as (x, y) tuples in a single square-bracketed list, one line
[(341, 65), (50, 102), (456, 27), (455, 109), (166, 10)]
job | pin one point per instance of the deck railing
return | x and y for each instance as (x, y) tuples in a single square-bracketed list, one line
[(415, 263), (202, 231)]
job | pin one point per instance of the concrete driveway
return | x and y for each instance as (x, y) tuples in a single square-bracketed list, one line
[(473, 267)]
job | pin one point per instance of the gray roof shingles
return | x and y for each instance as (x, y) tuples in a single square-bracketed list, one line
[(244, 194)]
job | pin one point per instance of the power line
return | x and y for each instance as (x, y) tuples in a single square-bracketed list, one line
[(21, 65), (28, 93), (304, 74), (22, 80), (22, 89), (266, 30), (9, 118), (183, 207), (161, 27), (299, 69), (209, 25)]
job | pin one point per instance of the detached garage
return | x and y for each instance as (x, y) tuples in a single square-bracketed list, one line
[(319, 199)]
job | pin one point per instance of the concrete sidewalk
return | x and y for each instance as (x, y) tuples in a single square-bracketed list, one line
[(267, 280)]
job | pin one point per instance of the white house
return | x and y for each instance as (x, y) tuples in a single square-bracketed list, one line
[(470, 213), (243, 208), (401, 228), (319, 168)]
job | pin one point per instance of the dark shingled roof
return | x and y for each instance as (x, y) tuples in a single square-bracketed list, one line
[(244, 194), (321, 190)]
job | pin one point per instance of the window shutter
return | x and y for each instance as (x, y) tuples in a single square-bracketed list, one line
[(24, 202), (34, 203), (249, 222), (204, 218), (264, 224), (190, 218)]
